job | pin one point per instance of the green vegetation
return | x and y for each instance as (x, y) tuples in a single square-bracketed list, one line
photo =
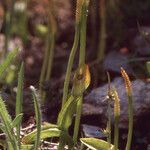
[(71, 100)]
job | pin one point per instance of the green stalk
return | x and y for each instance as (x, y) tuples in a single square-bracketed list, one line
[(7, 32), (9, 14), (49, 64), (109, 123), (83, 35), (44, 66), (77, 120), (49, 53), (19, 99), (81, 62), (130, 107), (70, 64), (109, 111), (130, 111), (116, 118), (102, 37)]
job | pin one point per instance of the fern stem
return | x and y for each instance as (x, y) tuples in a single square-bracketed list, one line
[(130, 111), (116, 118), (130, 107), (81, 62), (70, 64), (77, 119)]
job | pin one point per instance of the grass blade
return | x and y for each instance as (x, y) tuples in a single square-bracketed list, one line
[(10, 57), (66, 114), (7, 122), (19, 98), (38, 118), (17, 120)]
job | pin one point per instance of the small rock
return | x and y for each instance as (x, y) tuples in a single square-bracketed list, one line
[(114, 60), (141, 100), (92, 131)]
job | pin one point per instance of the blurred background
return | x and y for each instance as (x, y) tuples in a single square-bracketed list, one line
[(115, 28)]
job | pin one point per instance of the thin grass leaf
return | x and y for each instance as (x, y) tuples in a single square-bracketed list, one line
[(19, 98), (38, 118), (66, 114), (65, 118), (45, 133), (10, 57), (17, 120), (96, 144), (29, 138), (2, 127), (3, 144), (51, 132), (7, 122)]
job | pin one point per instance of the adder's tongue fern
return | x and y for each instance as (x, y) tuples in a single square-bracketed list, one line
[(130, 107), (83, 15), (116, 118), (73, 50)]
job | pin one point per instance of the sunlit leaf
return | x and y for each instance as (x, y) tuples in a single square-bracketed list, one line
[(96, 144), (81, 80), (45, 133), (66, 114)]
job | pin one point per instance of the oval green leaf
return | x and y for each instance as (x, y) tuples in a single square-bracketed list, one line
[(96, 144)]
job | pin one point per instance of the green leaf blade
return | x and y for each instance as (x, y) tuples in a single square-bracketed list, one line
[(96, 144), (10, 57), (19, 98)]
